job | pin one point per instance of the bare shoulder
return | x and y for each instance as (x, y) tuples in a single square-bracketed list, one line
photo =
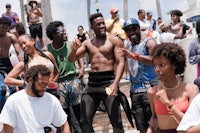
[(116, 41), (191, 88), (49, 54)]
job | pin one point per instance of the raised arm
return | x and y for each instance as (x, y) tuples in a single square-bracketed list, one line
[(77, 50), (146, 59)]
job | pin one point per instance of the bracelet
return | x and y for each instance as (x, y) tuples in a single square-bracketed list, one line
[(136, 56)]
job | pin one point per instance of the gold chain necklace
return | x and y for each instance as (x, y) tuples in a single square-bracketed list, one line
[(166, 88)]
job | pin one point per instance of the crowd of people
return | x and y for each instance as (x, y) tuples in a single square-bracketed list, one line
[(46, 81)]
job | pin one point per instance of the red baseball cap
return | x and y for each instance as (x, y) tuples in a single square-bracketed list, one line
[(113, 10)]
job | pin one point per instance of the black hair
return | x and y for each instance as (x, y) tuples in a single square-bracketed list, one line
[(176, 12), (80, 26), (40, 52), (94, 16), (19, 28), (140, 11), (52, 28), (173, 52), (34, 71), (5, 21), (198, 27)]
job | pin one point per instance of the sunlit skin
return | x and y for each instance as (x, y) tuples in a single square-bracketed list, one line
[(103, 52), (171, 90), (27, 46)]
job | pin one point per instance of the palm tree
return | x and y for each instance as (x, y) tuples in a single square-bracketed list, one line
[(125, 6), (47, 17), (158, 8), (22, 11), (88, 15)]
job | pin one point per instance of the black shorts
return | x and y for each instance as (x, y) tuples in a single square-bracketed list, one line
[(5, 65), (36, 30)]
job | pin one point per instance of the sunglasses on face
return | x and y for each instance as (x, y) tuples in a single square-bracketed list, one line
[(61, 31), (8, 6), (42, 84)]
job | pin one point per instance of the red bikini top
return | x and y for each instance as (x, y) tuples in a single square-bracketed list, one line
[(161, 109)]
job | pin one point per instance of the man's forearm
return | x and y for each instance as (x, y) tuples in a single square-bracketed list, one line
[(72, 56), (119, 72)]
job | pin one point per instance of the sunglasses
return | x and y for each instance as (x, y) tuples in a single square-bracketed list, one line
[(61, 31), (8, 6)]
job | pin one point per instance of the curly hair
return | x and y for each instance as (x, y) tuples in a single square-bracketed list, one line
[(173, 52), (19, 28), (52, 28), (198, 27), (94, 16), (6, 21), (33, 72)]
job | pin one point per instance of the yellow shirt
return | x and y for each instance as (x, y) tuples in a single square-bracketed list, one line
[(117, 28)]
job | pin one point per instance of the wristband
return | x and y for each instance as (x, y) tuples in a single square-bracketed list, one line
[(136, 56)]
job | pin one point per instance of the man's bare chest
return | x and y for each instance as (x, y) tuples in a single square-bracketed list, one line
[(104, 50), (5, 43)]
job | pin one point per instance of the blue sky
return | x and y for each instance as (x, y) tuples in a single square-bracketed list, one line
[(74, 12)]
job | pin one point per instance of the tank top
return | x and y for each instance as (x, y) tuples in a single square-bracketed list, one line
[(139, 72), (67, 69), (81, 37)]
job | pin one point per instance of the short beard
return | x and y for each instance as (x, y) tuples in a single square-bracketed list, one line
[(35, 91)]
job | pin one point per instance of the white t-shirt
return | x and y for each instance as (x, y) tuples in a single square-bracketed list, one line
[(167, 37), (191, 116), (28, 114), (144, 25)]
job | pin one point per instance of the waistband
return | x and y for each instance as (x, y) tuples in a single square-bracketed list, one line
[(168, 131), (35, 24), (97, 79)]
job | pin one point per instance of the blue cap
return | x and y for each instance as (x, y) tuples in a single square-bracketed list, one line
[(129, 22)]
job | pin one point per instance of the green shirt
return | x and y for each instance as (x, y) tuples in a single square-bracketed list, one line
[(67, 69)]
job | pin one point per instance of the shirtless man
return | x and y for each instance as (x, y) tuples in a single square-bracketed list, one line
[(35, 27), (6, 39), (107, 67)]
